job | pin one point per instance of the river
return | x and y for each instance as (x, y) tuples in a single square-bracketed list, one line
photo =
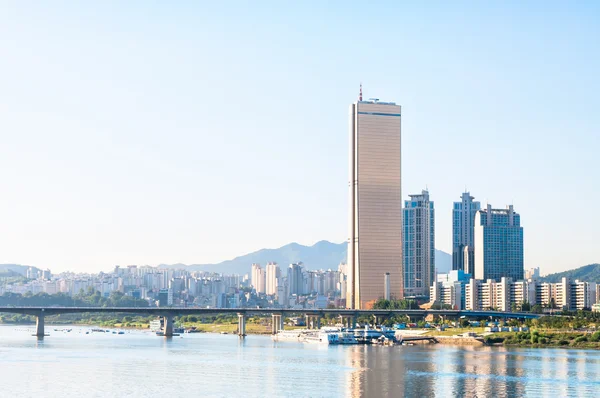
[(140, 364)]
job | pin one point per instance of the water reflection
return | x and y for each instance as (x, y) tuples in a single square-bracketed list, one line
[(140, 364), (471, 371), (388, 371)]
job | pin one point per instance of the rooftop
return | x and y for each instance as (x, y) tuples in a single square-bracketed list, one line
[(375, 101)]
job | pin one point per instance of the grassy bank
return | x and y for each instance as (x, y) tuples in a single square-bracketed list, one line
[(112, 320), (546, 339), (455, 331), (251, 328)]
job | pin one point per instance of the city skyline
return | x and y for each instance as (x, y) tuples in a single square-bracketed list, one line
[(141, 151)]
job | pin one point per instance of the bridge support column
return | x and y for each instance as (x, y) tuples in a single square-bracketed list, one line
[(276, 323), (39, 325), (241, 325), (281, 322), (379, 319), (168, 325), (348, 321), (313, 321)]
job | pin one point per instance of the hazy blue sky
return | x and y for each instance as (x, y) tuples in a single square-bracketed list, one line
[(156, 132)]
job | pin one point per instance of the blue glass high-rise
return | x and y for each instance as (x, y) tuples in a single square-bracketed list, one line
[(498, 244)]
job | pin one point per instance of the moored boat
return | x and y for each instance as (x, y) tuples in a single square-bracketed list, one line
[(289, 335), (322, 337)]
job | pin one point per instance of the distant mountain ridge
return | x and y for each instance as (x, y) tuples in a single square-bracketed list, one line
[(587, 273), (321, 255), (14, 269)]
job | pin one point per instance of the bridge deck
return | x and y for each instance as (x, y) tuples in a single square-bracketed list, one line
[(177, 311)]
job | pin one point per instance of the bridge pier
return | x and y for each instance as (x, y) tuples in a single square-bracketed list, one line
[(277, 323), (241, 324), (348, 321), (313, 321), (168, 325), (377, 319), (39, 325)]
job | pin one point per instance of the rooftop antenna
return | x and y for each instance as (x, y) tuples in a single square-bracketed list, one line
[(360, 93)]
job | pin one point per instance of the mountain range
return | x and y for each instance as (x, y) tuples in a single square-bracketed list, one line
[(328, 255), (587, 273), (321, 255)]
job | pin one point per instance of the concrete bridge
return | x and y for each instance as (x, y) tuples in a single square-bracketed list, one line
[(313, 316)]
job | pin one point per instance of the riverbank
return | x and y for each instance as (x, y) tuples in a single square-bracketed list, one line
[(541, 339), (458, 340), (222, 328)]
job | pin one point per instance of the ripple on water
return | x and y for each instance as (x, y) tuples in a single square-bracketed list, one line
[(139, 364)]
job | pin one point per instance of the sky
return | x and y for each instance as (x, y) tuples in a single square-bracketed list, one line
[(149, 132)]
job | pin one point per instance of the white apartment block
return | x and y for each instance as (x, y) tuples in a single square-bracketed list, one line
[(483, 295), (449, 293)]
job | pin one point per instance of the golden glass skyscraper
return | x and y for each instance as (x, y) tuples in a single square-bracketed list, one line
[(375, 241)]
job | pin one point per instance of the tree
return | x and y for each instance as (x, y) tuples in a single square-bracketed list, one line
[(383, 304), (537, 309)]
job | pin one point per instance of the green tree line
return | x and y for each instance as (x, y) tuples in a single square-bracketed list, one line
[(89, 298)]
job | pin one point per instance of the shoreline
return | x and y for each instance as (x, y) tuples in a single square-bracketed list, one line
[(460, 341), (493, 340)]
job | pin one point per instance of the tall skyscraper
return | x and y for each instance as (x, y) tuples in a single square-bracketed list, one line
[(375, 241), (295, 279), (419, 245), (273, 273), (463, 224), (498, 244), (342, 282), (258, 278)]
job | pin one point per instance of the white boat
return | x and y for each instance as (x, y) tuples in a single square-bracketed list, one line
[(326, 335), (344, 337), (290, 335), (156, 325), (367, 335), (347, 338), (322, 337)]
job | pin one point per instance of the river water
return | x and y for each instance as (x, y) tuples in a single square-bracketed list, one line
[(140, 364)]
